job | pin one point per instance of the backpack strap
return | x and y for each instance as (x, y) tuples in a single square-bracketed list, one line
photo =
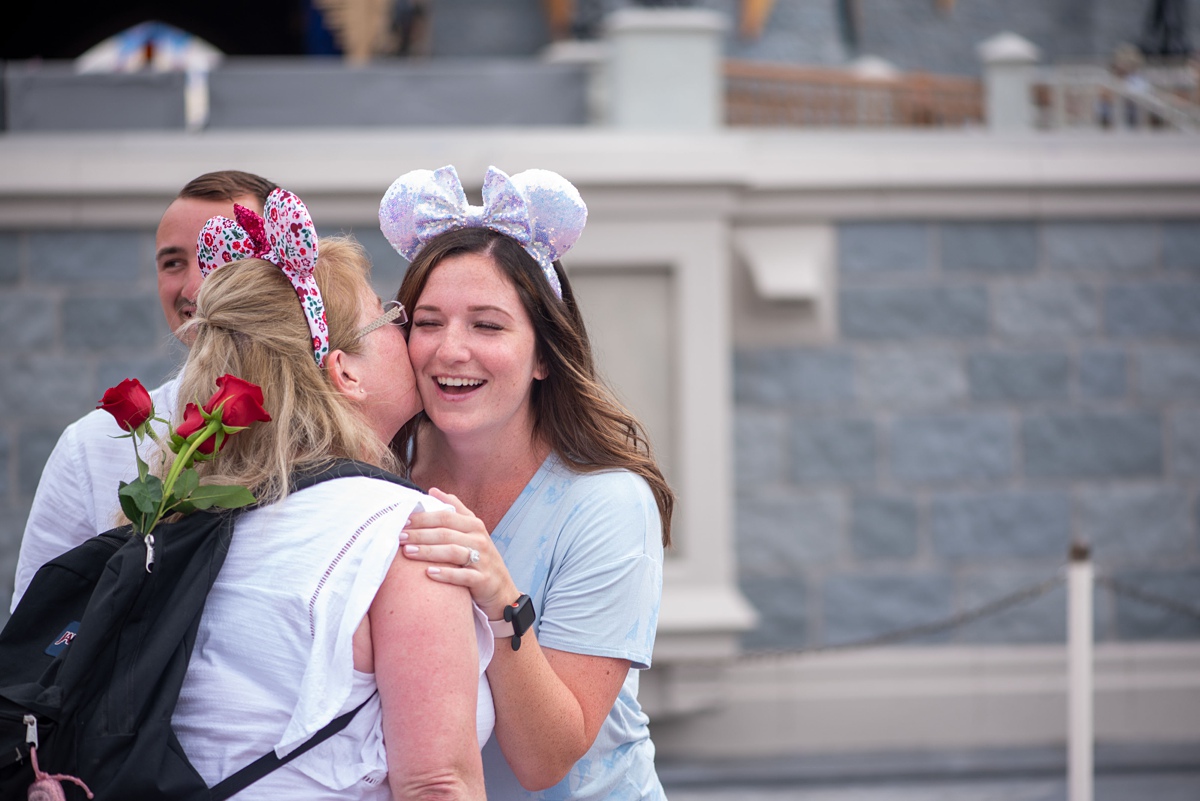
[(346, 468), (269, 762)]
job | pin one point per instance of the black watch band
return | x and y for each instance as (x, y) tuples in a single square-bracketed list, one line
[(518, 617)]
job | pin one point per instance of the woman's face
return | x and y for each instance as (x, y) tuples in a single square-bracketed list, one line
[(473, 350), (390, 396)]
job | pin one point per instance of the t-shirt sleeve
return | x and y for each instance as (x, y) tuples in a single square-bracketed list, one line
[(603, 595)]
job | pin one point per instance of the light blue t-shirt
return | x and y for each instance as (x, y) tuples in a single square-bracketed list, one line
[(587, 548)]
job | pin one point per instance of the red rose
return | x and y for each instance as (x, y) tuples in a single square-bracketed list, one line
[(193, 422), (241, 405), (129, 403), (243, 402)]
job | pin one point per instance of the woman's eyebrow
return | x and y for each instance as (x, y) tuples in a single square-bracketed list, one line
[(478, 308)]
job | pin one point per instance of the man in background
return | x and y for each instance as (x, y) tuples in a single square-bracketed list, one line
[(76, 497)]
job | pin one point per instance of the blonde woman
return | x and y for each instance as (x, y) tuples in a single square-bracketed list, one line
[(312, 615)]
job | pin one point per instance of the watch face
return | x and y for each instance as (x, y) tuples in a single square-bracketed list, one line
[(523, 614)]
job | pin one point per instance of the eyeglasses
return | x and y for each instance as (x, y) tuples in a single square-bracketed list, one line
[(393, 314)]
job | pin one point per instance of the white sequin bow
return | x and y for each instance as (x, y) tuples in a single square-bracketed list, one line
[(540, 209)]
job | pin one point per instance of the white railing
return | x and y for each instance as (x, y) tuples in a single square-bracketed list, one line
[(1086, 96)]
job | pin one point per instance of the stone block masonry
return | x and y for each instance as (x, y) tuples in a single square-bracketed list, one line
[(79, 312), (996, 389)]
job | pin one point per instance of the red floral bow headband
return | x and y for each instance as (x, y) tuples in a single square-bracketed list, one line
[(287, 238)]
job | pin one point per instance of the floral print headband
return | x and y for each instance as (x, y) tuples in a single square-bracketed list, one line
[(287, 238), (540, 209)]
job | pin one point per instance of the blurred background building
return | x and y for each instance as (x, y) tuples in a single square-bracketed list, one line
[(908, 292)]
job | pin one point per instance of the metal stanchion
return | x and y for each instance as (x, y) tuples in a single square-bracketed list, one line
[(1079, 673)]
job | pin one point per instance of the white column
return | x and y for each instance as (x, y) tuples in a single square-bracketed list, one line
[(665, 69), (1009, 66), (1079, 674)]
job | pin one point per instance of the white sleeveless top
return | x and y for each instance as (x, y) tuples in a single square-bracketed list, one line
[(274, 657)]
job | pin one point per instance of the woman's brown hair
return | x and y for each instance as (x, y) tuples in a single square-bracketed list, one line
[(573, 410)]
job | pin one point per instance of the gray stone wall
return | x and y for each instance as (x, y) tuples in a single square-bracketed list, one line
[(79, 311), (920, 35), (917, 35), (996, 390)]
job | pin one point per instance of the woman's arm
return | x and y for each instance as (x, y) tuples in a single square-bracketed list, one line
[(550, 704), (427, 670)]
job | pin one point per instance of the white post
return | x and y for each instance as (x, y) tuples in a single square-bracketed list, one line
[(1079, 674), (592, 55), (665, 69), (1009, 65)]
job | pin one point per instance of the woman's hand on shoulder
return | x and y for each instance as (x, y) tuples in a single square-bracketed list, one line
[(449, 539)]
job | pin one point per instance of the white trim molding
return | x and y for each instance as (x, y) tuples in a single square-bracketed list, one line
[(938, 698)]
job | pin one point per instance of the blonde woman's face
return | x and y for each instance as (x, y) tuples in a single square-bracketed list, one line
[(390, 397)]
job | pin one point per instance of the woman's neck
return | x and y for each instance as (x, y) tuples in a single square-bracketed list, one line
[(487, 476)]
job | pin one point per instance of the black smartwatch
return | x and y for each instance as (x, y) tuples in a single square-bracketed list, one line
[(518, 617)]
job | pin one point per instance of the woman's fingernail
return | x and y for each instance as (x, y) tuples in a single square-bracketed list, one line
[(410, 549), (433, 571), (403, 536)]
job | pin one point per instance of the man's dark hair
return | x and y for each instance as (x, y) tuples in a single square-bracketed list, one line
[(228, 185)]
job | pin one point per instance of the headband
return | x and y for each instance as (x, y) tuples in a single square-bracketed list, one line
[(287, 238), (540, 209)]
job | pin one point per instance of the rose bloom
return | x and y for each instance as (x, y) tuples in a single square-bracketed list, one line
[(129, 403), (243, 402), (243, 406)]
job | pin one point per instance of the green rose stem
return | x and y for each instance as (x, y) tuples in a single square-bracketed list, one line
[(149, 493), (185, 458), (147, 499)]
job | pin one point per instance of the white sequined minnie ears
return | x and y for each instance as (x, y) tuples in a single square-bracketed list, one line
[(287, 238), (540, 209)]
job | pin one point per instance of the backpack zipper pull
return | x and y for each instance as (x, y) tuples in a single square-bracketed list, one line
[(31, 736), (149, 552)]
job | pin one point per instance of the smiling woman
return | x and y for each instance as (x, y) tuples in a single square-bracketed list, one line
[(561, 513)]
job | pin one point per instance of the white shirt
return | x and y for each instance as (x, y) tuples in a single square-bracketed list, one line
[(76, 498), (274, 662)]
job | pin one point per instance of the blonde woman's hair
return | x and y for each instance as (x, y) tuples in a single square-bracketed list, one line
[(249, 323)]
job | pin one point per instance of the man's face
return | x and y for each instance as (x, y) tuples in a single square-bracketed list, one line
[(175, 252)]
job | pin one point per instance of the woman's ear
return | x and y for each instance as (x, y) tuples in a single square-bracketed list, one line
[(344, 375)]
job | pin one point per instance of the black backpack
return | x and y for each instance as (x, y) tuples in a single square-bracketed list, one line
[(93, 659)]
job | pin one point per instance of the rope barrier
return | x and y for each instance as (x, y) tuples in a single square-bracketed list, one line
[(1146, 597), (1022, 596), (1004, 603)]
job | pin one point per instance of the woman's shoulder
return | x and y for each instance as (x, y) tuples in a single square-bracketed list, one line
[(607, 485), (612, 505)]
